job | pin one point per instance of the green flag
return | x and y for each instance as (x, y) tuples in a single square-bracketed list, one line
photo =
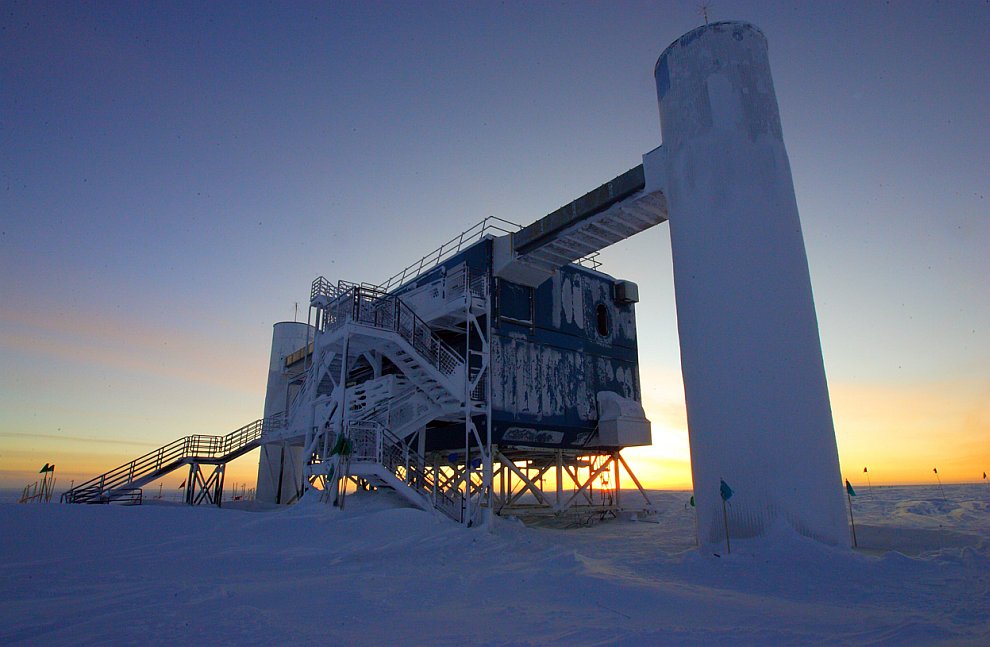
[(43, 469), (692, 500), (724, 490), (849, 488)]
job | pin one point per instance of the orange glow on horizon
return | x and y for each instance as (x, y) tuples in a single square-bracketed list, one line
[(898, 432)]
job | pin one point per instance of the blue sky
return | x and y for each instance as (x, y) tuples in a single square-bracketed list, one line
[(174, 175)]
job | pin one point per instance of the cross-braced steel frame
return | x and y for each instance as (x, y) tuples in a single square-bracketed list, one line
[(584, 483), (203, 487)]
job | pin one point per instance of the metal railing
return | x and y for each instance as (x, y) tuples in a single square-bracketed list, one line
[(322, 288), (125, 496), (492, 225), (166, 458), (478, 284), (370, 306), (479, 392), (371, 441)]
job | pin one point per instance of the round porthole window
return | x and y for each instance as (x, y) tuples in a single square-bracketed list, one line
[(602, 320)]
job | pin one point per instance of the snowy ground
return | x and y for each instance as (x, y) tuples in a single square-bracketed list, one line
[(376, 574)]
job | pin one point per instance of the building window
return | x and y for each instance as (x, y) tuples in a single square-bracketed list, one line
[(515, 303), (602, 319)]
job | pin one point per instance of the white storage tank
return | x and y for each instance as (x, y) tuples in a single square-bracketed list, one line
[(280, 465)]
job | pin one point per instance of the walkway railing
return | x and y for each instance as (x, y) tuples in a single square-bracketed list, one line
[(195, 448), (370, 306), (371, 441), (492, 225)]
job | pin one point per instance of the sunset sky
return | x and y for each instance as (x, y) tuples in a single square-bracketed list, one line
[(174, 175)]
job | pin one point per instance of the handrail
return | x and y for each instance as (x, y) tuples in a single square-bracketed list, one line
[(449, 249), (202, 447), (370, 306), (372, 441), (487, 226), (322, 287)]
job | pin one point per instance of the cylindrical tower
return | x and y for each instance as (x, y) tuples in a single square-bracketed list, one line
[(279, 467), (757, 402)]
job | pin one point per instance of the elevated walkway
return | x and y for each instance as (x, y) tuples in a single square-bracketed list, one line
[(616, 210), (122, 483)]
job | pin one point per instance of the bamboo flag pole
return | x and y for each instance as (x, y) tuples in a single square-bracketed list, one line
[(868, 484), (850, 493), (726, 493), (935, 469)]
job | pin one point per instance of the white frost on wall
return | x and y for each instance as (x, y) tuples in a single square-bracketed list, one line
[(538, 380)]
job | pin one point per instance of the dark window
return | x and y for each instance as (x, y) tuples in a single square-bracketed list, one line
[(515, 302), (601, 319)]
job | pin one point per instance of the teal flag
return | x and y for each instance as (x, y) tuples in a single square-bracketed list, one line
[(43, 469), (849, 488), (692, 500), (724, 490)]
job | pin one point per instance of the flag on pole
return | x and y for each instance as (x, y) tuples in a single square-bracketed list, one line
[(850, 493), (935, 469), (724, 490), (692, 496), (182, 485), (984, 476), (43, 469)]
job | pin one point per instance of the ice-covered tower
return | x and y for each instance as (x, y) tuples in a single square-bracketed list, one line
[(757, 402)]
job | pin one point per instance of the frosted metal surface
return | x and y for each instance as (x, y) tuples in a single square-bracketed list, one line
[(757, 401)]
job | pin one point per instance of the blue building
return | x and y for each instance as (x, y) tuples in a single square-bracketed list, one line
[(462, 385)]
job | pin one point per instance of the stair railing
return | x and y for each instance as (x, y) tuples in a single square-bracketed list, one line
[(369, 306), (371, 441), (184, 449)]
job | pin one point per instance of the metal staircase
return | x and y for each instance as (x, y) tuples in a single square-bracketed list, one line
[(122, 484), (386, 323), (374, 310), (379, 423), (378, 416), (383, 460)]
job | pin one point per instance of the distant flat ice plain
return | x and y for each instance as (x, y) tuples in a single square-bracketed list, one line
[(378, 573)]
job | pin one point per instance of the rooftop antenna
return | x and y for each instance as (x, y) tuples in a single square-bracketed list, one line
[(703, 10)]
